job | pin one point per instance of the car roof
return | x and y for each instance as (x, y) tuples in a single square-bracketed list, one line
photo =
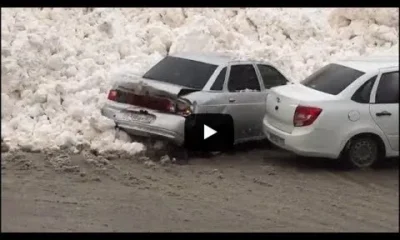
[(366, 64), (212, 58)]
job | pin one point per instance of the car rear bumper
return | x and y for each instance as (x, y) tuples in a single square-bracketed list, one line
[(314, 143), (165, 126)]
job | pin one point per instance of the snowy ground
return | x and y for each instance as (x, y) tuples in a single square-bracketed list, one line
[(263, 191), (57, 64)]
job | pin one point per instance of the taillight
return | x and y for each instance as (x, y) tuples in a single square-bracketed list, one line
[(112, 95), (304, 116), (183, 108)]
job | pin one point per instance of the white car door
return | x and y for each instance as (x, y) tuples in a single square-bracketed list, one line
[(384, 107)]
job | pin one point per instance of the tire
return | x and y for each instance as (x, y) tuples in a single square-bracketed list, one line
[(361, 152)]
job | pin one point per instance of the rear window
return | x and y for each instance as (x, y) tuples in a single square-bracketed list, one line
[(332, 78), (180, 71)]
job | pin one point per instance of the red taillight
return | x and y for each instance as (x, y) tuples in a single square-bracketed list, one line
[(304, 116), (112, 95)]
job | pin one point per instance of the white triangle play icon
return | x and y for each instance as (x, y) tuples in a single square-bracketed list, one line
[(208, 132)]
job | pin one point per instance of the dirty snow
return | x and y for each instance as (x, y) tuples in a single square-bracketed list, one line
[(57, 63)]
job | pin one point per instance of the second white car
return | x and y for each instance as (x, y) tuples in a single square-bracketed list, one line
[(346, 110)]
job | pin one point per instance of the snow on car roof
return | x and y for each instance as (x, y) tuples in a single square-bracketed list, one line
[(213, 58), (366, 64)]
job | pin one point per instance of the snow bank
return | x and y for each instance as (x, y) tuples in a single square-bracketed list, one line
[(57, 63)]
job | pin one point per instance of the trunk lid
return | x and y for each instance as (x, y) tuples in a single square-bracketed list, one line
[(147, 87), (282, 102), (150, 94)]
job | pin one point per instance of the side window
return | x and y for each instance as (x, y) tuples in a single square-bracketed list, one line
[(363, 94), (271, 77), (219, 82), (243, 77), (388, 88)]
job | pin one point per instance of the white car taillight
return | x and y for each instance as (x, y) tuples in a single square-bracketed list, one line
[(305, 116)]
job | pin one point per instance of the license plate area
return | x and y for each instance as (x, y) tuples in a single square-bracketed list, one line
[(276, 139), (128, 116)]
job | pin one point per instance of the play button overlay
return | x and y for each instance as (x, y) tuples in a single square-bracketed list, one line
[(208, 132)]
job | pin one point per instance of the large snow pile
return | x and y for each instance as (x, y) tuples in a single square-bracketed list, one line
[(57, 63)]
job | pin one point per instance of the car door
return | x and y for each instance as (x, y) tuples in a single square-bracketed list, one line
[(384, 107), (245, 101)]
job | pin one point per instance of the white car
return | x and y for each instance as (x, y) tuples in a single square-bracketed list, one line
[(347, 110)]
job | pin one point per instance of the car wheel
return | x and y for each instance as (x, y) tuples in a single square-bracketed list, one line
[(362, 152)]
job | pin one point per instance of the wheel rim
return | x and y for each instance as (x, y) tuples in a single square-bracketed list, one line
[(363, 153)]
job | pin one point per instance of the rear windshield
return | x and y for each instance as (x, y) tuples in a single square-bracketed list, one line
[(180, 71), (332, 78)]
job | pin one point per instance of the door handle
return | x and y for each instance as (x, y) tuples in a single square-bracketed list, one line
[(231, 100), (384, 113)]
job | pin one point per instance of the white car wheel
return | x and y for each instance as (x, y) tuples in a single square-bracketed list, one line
[(362, 152)]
